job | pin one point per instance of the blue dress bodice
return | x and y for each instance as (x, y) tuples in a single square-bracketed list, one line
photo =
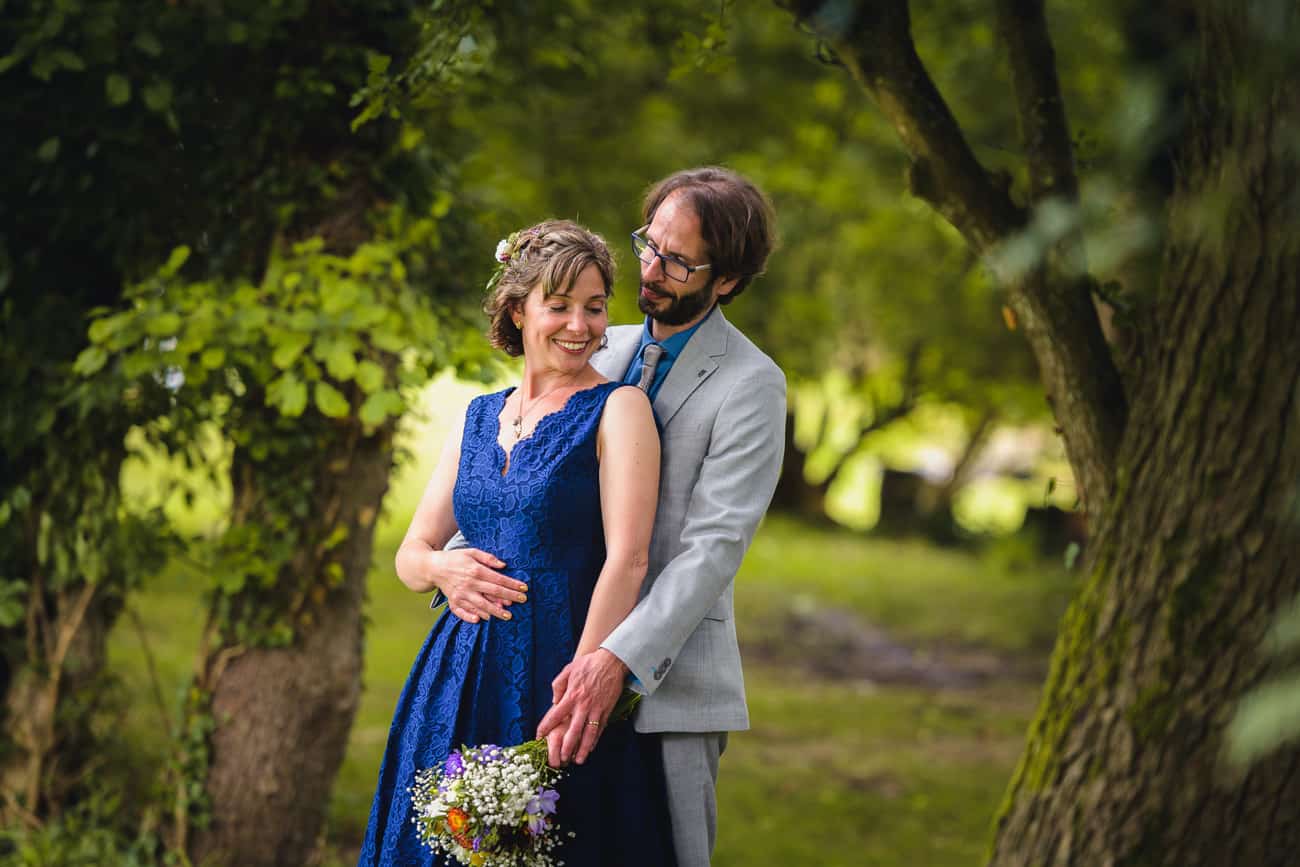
[(538, 510)]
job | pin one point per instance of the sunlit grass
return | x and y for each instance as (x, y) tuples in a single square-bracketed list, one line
[(911, 587)]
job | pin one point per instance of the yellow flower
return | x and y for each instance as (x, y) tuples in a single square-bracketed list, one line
[(457, 820), (478, 859)]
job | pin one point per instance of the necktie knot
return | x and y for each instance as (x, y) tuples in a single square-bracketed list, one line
[(649, 361)]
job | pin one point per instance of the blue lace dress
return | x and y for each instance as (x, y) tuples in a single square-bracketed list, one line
[(490, 682)]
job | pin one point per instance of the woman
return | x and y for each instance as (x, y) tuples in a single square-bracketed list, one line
[(554, 483)]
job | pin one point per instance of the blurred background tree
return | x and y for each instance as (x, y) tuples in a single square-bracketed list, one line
[(1191, 549), (164, 163)]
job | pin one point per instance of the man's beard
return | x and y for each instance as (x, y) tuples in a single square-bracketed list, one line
[(680, 308)]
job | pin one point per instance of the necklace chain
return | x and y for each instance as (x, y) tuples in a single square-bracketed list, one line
[(518, 423)]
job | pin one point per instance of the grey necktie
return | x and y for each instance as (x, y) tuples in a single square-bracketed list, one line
[(649, 361)]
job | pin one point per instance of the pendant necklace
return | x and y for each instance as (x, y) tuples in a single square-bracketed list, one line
[(518, 423)]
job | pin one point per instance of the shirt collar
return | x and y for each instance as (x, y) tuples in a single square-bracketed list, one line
[(674, 345)]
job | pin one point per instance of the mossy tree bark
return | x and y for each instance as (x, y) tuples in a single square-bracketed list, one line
[(1186, 444), (282, 714)]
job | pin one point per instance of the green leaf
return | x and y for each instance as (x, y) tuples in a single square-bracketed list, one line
[(368, 315), (1285, 633), (148, 43), (377, 62), (48, 152), (373, 109), (303, 320), (1267, 718), (12, 604), (175, 261), (341, 296), (370, 376), (164, 324), (102, 329), (68, 60), (380, 405), (340, 362), (288, 394), (330, 401), (336, 537), (89, 362), (158, 96), (213, 357), (388, 340), (118, 89), (237, 32), (290, 347)]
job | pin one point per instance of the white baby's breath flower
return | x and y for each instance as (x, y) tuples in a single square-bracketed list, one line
[(503, 250)]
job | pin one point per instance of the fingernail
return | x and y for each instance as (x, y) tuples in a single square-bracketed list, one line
[(507, 615), (523, 598)]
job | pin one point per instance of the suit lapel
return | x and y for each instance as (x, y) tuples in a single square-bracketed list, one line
[(696, 364), (612, 361)]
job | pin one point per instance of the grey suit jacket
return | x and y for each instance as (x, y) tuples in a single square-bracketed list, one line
[(721, 414)]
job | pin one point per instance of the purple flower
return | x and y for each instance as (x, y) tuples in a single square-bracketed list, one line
[(543, 803), (478, 841), (536, 825), (491, 753), (454, 766)]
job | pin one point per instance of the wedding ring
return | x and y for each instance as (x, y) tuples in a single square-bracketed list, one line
[(592, 722)]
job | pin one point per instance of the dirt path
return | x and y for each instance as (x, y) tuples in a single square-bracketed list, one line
[(835, 644)]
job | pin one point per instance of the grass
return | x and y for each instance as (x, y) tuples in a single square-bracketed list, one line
[(832, 773), (842, 774), (918, 591)]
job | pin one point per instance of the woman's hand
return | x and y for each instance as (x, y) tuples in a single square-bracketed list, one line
[(474, 589)]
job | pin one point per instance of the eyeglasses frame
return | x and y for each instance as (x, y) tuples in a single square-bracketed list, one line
[(664, 259)]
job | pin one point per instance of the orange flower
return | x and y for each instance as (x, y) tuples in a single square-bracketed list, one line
[(457, 819)]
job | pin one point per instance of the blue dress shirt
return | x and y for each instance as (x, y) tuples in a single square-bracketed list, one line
[(672, 347)]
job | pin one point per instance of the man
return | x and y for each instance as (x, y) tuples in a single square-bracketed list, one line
[(720, 405)]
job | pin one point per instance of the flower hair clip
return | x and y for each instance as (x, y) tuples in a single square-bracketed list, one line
[(508, 249)]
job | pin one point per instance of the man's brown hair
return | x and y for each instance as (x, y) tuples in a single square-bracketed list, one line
[(736, 220)]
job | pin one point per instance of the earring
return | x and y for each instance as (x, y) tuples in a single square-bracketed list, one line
[(604, 340)]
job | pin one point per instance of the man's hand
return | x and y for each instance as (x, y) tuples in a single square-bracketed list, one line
[(584, 692), (474, 589)]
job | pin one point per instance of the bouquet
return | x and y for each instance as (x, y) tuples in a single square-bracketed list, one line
[(492, 806)]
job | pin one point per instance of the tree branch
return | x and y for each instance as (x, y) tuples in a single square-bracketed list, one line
[(1044, 130), (873, 41), (1053, 303)]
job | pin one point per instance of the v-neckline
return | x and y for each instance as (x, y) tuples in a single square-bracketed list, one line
[(504, 457)]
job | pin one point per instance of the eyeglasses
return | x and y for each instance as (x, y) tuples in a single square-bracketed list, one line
[(673, 267)]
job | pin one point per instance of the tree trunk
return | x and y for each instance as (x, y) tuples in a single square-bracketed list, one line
[(283, 714), (1198, 544), (51, 700), (794, 494)]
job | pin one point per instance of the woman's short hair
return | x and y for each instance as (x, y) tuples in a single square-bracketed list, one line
[(552, 253), (736, 220)]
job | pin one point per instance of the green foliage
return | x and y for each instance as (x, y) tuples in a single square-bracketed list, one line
[(135, 130), (91, 834), (325, 347), (317, 323), (455, 44), (1269, 715)]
